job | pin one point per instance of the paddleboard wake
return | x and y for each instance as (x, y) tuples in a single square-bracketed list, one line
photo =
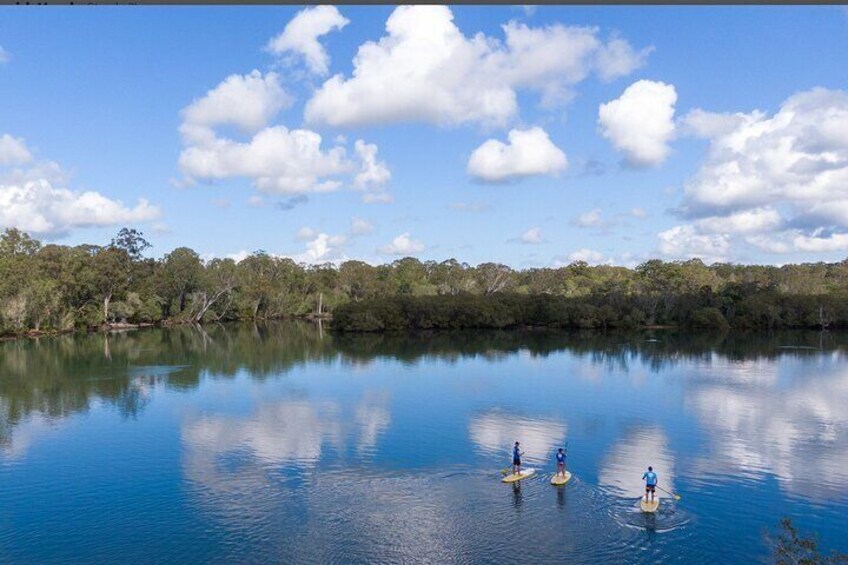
[(513, 477)]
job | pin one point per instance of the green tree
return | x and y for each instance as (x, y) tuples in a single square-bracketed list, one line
[(182, 271), (112, 275), (132, 241)]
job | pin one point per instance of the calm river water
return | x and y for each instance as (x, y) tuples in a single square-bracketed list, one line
[(281, 443)]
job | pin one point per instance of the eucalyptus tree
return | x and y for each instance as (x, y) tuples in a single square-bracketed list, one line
[(181, 274)]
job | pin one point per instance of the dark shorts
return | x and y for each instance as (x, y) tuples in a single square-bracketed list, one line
[(650, 487), (516, 461)]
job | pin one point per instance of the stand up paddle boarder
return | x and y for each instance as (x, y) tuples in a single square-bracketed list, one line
[(516, 459), (650, 479), (560, 457)]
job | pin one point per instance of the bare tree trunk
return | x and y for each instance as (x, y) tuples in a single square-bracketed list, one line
[(320, 302), (106, 300), (208, 303)]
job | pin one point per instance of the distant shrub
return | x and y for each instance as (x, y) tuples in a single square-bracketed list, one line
[(709, 318)]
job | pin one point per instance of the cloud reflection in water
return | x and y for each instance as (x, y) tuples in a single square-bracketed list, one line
[(795, 428), (495, 432)]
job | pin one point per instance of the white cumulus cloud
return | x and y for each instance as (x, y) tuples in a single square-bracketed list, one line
[(275, 158), (437, 74), (13, 151), (588, 255), (618, 58), (302, 32), (686, 242), (640, 122), (527, 152), (34, 197), (782, 179), (245, 101), (532, 236), (373, 174), (744, 221), (403, 245), (798, 156), (320, 248), (818, 244), (590, 219), (39, 208)]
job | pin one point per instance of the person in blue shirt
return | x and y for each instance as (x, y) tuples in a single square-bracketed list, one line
[(560, 457), (650, 479), (516, 459)]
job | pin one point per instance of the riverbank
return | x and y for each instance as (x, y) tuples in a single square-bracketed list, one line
[(126, 326)]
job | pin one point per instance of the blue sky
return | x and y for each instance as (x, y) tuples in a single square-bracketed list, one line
[(532, 137)]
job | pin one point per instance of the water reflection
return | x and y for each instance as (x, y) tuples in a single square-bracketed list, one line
[(372, 417), (244, 468), (290, 432), (622, 467), (495, 433), (17, 440), (271, 443), (286, 432), (790, 426)]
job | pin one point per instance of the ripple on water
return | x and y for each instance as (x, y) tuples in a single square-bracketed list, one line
[(464, 515), (669, 517)]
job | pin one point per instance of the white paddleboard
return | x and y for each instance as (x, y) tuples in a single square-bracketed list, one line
[(518, 476), (650, 506), (560, 480)]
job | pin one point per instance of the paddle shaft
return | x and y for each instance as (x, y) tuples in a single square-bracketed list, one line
[(676, 496)]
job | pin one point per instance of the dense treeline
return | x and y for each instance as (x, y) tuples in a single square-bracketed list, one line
[(594, 311), (61, 288)]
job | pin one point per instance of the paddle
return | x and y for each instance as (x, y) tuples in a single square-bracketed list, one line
[(676, 496)]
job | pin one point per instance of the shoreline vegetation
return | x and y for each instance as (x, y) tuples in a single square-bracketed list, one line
[(48, 288)]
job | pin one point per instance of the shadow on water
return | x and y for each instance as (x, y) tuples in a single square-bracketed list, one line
[(517, 497)]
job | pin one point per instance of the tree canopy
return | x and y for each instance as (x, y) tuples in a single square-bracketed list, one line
[(59, 288)]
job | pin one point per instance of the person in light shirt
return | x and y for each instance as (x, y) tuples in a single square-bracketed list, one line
[(650, 479)]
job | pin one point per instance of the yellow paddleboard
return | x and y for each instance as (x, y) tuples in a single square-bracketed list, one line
[(518, 476), (560, 480), (649, 506)]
